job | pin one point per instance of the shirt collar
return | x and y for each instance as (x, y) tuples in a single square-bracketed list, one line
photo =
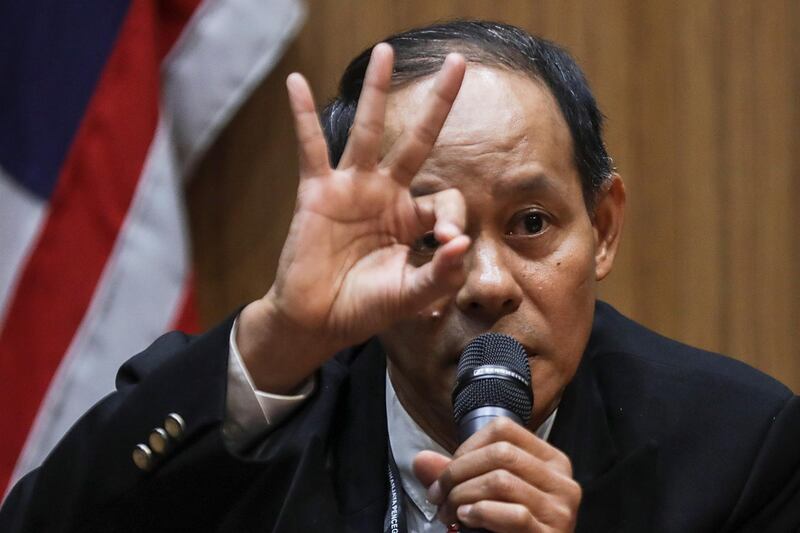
[(408, 439)]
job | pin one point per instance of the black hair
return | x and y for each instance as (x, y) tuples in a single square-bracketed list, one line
[(420, 52)]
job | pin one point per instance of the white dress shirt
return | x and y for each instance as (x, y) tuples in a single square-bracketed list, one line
[(250, 413)]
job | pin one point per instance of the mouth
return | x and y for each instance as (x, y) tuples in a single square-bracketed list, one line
[(455, 355)]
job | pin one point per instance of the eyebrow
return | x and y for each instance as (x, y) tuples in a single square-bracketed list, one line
[(509, 186), (527, 184)]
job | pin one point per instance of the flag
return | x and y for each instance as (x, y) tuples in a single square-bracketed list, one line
[(105, 106)]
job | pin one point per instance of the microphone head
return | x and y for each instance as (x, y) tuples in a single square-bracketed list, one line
[(493, 371)]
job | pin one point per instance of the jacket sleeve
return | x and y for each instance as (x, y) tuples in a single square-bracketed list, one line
[(92, 467), (770, 500)]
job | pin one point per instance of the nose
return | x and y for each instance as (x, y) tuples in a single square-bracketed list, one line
[(491, 291)]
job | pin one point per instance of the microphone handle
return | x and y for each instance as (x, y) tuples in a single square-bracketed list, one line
[(474, 421)]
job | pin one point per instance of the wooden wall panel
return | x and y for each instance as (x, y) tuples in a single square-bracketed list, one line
[(702, 107)]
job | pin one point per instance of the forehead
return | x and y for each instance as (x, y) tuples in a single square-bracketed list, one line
[(501, 122)]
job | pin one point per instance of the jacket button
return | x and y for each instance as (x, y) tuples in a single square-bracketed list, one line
[(174, 425), (142, 457), (158, 440)]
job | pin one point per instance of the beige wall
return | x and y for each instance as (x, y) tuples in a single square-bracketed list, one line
[(702, 105)]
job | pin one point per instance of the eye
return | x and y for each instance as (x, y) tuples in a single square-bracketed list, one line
[(427, 244), (528, 223)]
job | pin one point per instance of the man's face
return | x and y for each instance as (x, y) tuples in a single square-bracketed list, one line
[(531, 269)]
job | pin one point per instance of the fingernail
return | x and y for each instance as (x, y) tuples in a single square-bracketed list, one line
[(463, 512), (435, 493), (448, 230)]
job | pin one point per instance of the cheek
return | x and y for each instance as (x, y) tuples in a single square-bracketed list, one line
[(562, 284), (574, 267), (573, 296), (561, 290)]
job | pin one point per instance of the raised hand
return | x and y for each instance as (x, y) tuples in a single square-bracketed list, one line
[(345, 271)]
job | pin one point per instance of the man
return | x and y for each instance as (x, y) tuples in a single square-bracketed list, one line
[(464, 187)]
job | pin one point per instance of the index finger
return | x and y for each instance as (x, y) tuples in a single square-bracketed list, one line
[(412, 148), (505, 430), (502, 464)]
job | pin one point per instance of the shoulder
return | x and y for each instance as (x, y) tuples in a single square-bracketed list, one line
[(726, 433), (619, 344), (655, 387)]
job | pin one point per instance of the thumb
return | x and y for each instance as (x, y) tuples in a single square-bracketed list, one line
[(428, 466)]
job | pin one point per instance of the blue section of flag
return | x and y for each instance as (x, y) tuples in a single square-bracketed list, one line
[(51, 55)]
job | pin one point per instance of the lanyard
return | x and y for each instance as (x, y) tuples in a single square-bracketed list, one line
[(395, 520)]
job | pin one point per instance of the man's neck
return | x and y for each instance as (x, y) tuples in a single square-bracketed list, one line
[(436, 424)]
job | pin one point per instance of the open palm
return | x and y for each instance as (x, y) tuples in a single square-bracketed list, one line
[(344, 272)]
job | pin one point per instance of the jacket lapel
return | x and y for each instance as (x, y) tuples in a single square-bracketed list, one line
[(331, 456), (617, 486), (361, 442)]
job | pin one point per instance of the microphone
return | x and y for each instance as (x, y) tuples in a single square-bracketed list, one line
[(493, 379)]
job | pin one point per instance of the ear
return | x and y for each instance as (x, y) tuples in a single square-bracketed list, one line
[(609, 215)]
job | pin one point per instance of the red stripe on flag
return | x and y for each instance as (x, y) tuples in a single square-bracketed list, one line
[(88, 207), (187, 319)]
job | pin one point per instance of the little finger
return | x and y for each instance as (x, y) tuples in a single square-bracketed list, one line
[(363, 146), (499, 517)]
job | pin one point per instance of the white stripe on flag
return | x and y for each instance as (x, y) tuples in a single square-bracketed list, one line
[(21, 218), (261, 29), (227, 48)]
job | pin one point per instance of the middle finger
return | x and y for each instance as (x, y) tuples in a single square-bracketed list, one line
[(412, 148), (363, 146)]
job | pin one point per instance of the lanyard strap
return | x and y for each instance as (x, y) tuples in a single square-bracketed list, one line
[(395, 520)]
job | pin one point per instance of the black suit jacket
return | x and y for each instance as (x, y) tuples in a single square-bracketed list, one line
[(662, 437)]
